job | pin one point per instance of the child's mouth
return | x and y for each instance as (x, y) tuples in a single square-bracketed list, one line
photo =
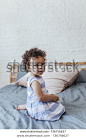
[(40, 71)]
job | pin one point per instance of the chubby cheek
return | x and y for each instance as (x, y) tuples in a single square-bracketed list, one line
[(34, 70)]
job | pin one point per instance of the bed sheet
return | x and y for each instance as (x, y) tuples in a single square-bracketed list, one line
[(73, 98)]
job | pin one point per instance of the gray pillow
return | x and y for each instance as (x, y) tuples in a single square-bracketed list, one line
[(81, 78), (20, 73)]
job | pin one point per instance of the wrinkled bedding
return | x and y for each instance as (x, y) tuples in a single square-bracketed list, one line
[(73, 98)]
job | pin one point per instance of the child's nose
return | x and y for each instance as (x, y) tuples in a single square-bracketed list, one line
[(40, 66)]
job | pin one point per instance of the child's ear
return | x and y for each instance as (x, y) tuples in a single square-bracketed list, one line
[(28, 68)]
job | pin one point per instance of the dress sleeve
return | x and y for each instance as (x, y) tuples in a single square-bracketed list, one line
[(33, 80)]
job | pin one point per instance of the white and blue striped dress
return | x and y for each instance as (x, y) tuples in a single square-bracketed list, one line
[(50, 111)]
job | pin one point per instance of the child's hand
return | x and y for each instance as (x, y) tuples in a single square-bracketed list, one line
[(55, 98)]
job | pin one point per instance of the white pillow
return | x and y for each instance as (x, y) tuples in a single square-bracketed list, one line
[(55, 82)]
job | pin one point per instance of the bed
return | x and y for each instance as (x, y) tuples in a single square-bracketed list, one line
[(73, 98)]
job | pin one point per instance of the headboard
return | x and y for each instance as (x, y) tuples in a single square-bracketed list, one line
[(81, 65)]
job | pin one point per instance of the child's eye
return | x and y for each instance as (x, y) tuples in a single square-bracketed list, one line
[(36, 65), (39, 65), (43, 63)]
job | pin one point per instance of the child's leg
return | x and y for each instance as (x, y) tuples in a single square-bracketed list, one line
[(32, 117), (21, 107)]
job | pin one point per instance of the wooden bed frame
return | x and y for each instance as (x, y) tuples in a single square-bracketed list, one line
[(72, 63), (13, 73)]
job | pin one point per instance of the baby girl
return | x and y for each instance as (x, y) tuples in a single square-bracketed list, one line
[(40, 105)]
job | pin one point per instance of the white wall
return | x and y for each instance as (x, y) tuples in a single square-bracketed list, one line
[(56, 26)]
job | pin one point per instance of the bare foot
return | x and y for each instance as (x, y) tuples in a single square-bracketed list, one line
[(21, 107)]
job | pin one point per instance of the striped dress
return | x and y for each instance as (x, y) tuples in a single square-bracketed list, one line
[(50, 111)]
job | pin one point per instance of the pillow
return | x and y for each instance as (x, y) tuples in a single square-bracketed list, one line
[(81, 78), (21, 73), (56, 82), (23, 80)]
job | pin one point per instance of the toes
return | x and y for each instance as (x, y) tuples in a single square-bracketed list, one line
[(17, 108)]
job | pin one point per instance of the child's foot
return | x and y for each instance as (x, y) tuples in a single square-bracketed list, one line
[(21, 107)]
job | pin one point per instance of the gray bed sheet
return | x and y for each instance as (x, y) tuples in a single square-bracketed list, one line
[(73, 98)]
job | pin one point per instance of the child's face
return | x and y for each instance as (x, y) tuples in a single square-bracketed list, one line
[(37, 65)]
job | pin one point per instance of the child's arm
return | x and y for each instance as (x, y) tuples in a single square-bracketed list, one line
[(35, 85)]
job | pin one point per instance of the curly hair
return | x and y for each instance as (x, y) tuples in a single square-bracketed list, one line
[(33, 52)]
